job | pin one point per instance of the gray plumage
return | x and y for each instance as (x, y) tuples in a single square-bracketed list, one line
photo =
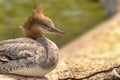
[(28, 57)]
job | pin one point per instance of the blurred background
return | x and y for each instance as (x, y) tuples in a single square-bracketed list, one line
[(95, 51), (75, 17)]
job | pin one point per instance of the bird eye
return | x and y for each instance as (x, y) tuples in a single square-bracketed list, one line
[(45, 25)]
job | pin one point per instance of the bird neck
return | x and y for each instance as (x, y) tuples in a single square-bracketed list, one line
[(33, 35), (50, 57)]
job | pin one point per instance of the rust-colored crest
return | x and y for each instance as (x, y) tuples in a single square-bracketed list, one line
[(37, 12)]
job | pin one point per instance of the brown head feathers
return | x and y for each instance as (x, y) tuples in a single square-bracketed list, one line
[(38, 12), (30, 27), (38, 24)]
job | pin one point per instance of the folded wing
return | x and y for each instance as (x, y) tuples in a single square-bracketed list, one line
[(17, 49)]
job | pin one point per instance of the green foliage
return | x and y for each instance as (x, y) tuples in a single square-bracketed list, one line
[(73, 16)]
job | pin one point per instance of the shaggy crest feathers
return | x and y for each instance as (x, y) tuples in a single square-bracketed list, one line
[(38, 12)]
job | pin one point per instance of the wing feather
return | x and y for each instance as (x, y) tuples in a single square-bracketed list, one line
[(17, 48)]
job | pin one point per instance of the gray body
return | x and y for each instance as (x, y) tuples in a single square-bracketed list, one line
[(28, 57)]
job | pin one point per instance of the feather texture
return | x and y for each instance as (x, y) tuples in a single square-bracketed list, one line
[(25, 54)]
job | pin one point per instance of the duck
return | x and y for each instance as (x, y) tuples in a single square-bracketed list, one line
[(33, 55)]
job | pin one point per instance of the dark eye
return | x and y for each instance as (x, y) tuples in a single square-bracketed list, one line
[(45, 25)]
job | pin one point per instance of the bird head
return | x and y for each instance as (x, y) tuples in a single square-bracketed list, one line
[(38, 24)]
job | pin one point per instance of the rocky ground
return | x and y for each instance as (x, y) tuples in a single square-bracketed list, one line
[(94, 56)]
